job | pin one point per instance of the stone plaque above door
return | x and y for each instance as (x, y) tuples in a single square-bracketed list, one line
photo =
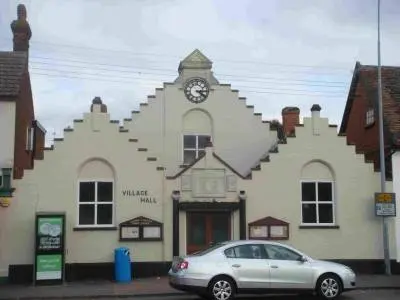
[(208, 183)]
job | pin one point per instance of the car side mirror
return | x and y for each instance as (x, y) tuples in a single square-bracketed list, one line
[(303, 259)]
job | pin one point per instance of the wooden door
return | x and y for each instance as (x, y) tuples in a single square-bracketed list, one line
[(205, 229)]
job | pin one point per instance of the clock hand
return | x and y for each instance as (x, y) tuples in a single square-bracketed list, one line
[(201, 93)]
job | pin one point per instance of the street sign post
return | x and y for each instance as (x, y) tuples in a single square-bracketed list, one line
[(385, 204)]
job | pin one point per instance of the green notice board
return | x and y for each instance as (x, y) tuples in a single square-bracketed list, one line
[(49, 248), (49, 266)]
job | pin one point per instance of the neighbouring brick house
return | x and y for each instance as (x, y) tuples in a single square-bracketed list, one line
[(21, 136), (360, 118)]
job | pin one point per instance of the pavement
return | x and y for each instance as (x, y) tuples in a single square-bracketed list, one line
[(143, 288)]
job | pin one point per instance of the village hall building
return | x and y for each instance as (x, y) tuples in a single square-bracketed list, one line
[(193, 167)]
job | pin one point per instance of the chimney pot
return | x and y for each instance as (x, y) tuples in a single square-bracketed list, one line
[(98, 105), (290, 118), (316, 107), (21, 30)]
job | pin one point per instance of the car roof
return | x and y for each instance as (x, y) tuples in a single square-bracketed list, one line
[(237, 242), (232, 243)]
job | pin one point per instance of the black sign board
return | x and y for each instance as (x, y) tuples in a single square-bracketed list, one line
[(141, 229)]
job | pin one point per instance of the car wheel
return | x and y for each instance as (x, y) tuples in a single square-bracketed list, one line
[(222, 288), (329, 286)]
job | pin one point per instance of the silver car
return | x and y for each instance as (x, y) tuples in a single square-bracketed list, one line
[(251, 266)]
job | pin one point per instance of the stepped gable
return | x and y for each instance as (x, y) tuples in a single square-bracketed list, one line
[(197, 64), (286, 140), (98, 106)]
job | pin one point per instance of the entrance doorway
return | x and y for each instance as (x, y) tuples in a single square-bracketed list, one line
[(206, 228)]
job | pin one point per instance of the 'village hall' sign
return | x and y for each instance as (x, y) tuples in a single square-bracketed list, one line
[(142, 195)]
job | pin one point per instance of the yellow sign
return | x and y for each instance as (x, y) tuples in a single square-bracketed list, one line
[(5, 202), (384, 197)]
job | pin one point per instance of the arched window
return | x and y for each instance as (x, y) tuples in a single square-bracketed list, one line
[(317, 194), (197, 130), (96, 194)]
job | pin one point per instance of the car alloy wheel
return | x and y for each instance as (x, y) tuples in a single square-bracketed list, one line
[(329, 287), (222, 289)]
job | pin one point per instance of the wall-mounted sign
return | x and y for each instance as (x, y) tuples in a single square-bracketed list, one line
[(385, 204), (141, 229), (257, 232), (142, 195), (130, 232), (208, 183), (269, 228)]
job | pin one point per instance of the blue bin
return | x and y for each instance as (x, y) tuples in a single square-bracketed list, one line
[(122, 265)]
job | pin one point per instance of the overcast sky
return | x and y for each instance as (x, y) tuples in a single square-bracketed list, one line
[(276, 52)]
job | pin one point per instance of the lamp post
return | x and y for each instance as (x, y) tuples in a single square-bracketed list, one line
[(382, 148)]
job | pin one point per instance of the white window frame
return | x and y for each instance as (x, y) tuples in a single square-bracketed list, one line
[(316, 202), (370, 117), (29, 138), (95, 203), (196, 149)]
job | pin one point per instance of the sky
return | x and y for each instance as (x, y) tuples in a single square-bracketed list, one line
[(277, 53)]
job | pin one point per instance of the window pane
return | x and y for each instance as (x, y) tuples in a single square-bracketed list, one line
[(325, 213), (104, 214), (1, 180), (86, 192), (308, 191), (86, 214), (203, 140), (189, 141), (230, 253), (309, 213), (250, 252), (105, 191), (324, 191), (189, 156), (281, 253)]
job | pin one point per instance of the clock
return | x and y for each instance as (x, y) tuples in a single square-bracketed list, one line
[(196, 90)]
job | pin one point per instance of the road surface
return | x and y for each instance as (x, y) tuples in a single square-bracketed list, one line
[(354, 295)]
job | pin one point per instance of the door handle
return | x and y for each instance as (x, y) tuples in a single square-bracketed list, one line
[(274, 267), (236, 266)]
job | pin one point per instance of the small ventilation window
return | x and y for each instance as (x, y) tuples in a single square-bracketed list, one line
[(369, 117)]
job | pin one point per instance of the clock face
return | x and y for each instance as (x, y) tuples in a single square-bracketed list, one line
[(196, 90)]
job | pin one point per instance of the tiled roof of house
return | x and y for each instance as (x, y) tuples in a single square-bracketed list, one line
[(367, 76), (12, 66)]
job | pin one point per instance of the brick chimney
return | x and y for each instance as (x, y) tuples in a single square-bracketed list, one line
[(21, 30), (290, 118)]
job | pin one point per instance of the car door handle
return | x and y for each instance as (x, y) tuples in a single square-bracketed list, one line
[(274, 267), (236, 266)]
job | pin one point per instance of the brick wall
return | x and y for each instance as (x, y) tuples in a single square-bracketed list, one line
[(366, 138), (39, 143), (24, 119)]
